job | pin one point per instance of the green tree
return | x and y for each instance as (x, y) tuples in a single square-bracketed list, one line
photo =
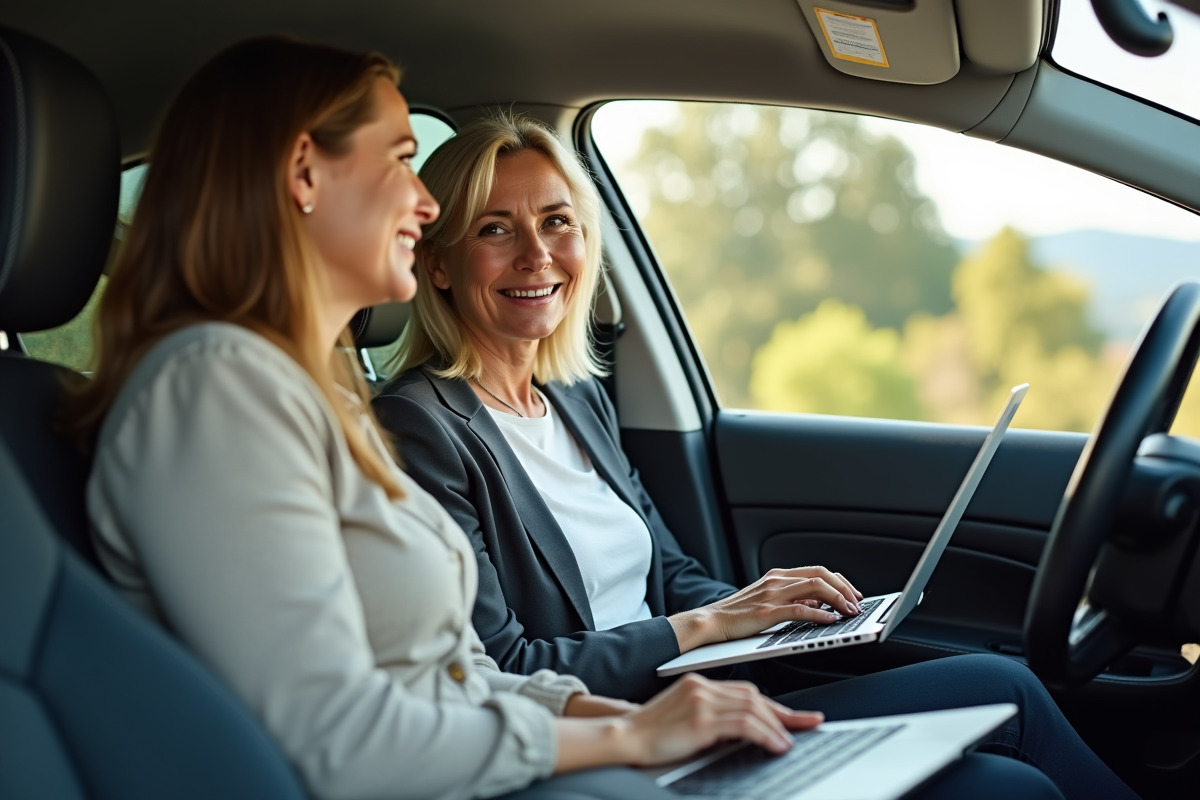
[(833, 362), (69, 344), (1014, 321), (757, 214), (1007, 301), (934, 351)]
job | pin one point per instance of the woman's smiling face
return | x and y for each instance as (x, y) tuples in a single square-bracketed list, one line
[(369, 207), (512, 277)]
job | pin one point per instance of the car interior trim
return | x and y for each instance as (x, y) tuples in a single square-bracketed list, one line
[(1141, 145)]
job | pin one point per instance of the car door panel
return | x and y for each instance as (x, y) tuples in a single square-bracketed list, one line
[(811, 461), (970, 587), (863, 497)]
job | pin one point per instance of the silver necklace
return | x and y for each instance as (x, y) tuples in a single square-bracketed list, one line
[(497, 399)]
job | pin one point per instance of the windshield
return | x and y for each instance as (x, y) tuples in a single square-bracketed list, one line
[(1082, 46)]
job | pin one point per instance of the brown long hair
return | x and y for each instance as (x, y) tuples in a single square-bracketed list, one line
[(217, 235)]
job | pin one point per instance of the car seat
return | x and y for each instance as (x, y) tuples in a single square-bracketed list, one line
[(95, 701), (377, 326), (58, 203)]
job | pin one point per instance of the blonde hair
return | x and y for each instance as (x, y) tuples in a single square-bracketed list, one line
[(460, 175), (217, 235)]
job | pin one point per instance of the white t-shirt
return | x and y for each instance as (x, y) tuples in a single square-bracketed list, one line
[(609, 539)]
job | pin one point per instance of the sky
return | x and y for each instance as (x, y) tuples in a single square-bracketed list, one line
[(1068, 198), (1080, 44)]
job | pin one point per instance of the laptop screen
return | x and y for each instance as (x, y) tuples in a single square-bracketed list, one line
[(911, 594)]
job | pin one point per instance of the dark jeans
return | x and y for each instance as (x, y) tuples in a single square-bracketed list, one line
[(1039, 735)]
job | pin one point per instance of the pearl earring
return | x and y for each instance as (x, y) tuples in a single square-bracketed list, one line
[(307, 207)]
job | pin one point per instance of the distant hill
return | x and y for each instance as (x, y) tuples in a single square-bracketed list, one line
[(1128, 274)]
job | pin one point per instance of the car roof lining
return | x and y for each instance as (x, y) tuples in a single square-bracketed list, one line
[(761, 52)]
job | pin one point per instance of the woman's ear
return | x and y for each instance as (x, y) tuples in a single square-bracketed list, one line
[(301, 178), (435, 265)]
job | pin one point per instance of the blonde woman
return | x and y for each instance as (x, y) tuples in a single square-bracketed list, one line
[(502, 420), (241, 493)]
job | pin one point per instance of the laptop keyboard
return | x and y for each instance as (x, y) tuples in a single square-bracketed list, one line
[(752, 772), (807, 629)]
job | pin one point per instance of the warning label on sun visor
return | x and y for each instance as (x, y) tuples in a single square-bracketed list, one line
[(852, 38)]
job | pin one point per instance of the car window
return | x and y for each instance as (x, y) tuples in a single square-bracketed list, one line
[(71, 344), (430, 131), (1082, 46), (841, 264)]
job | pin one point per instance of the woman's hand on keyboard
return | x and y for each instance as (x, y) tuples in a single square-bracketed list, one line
[(695, 713), (782, 595)]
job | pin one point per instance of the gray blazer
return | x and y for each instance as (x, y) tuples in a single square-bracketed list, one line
[(532, 610)]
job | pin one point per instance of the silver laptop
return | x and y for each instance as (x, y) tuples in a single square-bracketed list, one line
[(880, 615), (881, 758), (866, 759)]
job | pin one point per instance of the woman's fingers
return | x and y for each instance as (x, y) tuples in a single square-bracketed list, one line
[(835, 579), (779, 596), (742, 712), (757, 718), (795, 719), (737, 710), (782, 595), (791, 590), (753, 729), (696, 712)]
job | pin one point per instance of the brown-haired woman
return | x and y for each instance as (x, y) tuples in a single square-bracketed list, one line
[(241, 493)]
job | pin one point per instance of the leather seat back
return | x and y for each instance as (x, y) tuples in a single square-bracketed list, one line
[(97, 702), (58, 205)]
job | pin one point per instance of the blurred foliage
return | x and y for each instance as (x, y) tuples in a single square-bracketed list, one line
[(70, 344), (759, 214), (833, 362), (815, 277), (1012, 322)]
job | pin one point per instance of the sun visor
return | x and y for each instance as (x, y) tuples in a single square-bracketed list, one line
[(901, 41), (1001, 37), (904, 41)]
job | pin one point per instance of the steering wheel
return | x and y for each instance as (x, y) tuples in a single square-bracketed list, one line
[(1067, 640)]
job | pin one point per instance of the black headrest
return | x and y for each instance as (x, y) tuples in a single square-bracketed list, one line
[(379, 326), (60, 178)]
